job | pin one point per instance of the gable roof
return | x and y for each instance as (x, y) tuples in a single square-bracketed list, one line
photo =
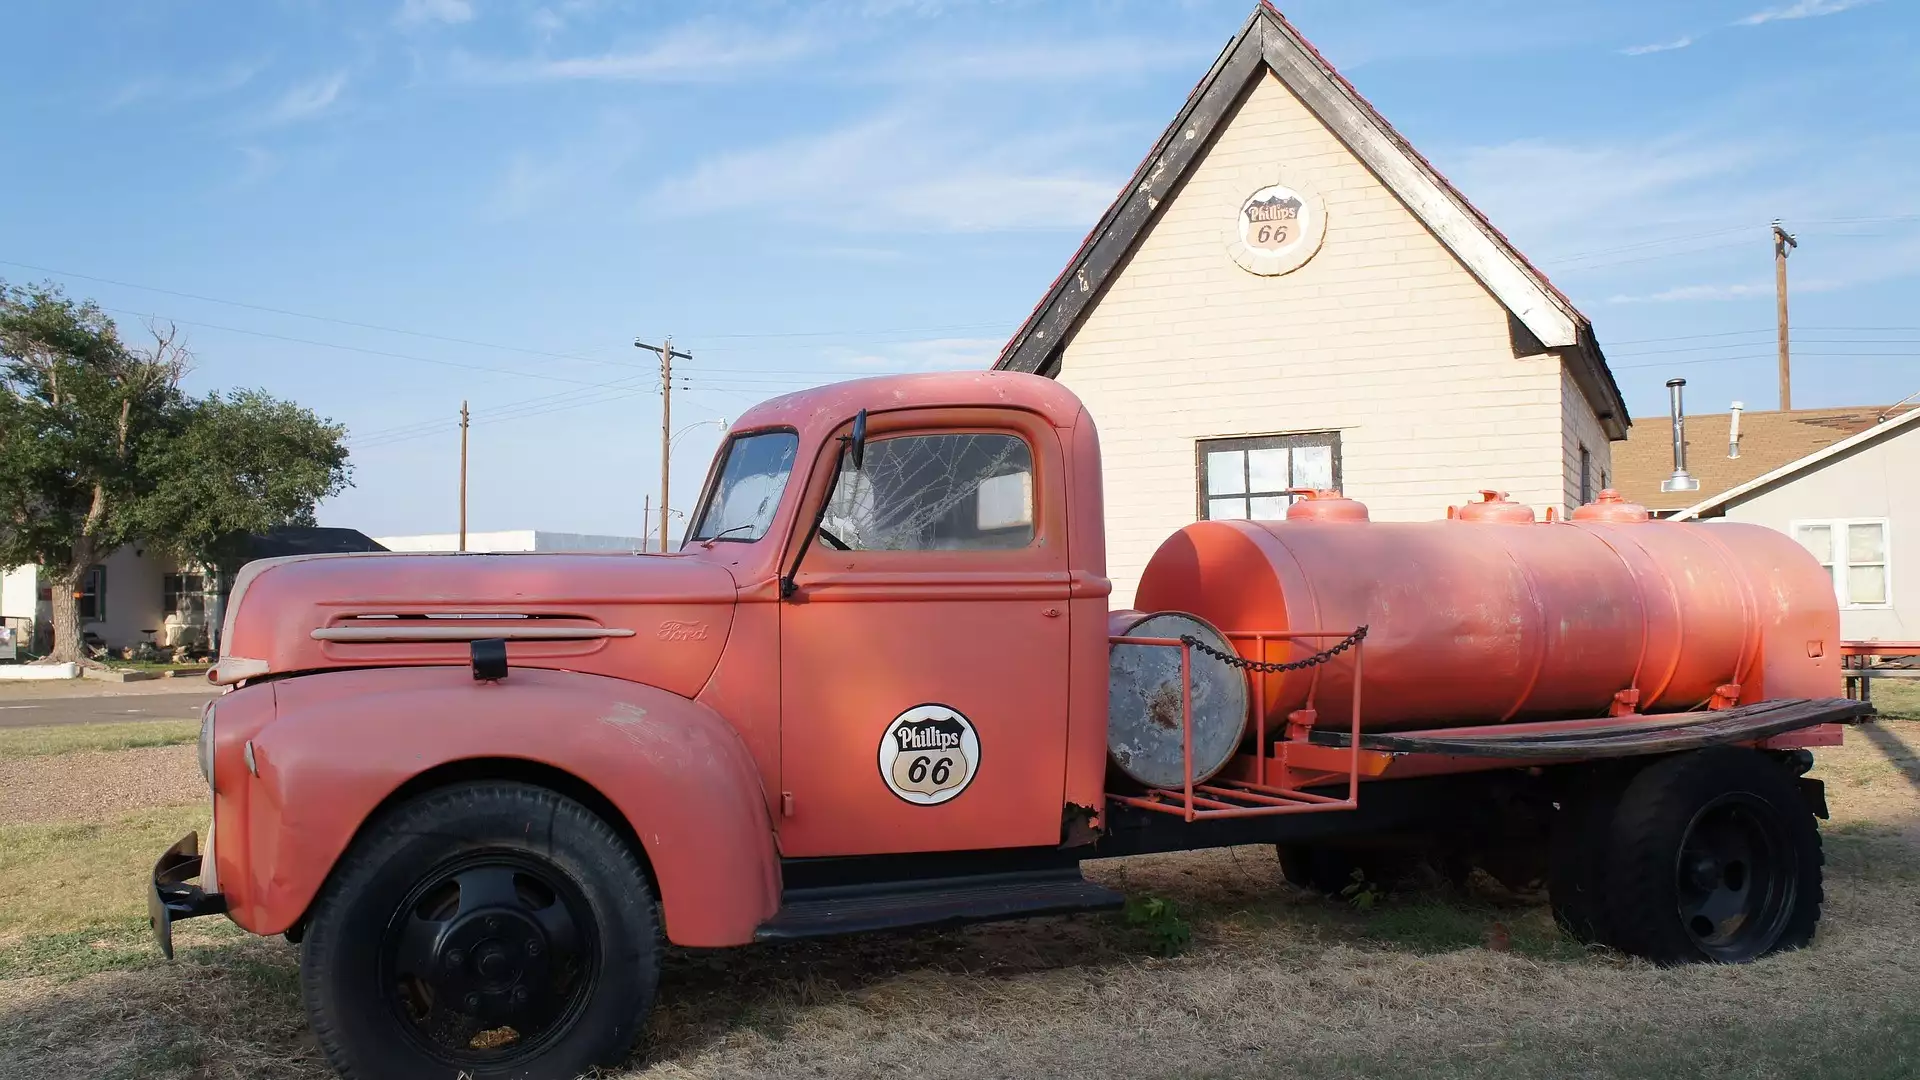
[(1268, 43), (1768, 442), (1879, 431)]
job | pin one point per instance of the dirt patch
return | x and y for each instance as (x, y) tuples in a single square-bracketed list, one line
[(91, 785)]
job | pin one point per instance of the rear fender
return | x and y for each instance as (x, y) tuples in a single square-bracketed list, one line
[(340, 744)]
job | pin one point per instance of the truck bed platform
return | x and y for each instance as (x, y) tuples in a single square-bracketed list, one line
[(1583, 740)]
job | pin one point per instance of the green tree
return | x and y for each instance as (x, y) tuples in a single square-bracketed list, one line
[(241, 463), (99, 446)]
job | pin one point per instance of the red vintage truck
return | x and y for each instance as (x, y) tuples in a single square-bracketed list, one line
[(880, 686)]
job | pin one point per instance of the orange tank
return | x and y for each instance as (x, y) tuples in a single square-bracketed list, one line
[(1490, 616)]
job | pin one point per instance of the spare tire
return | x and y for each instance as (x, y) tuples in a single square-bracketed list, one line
[(1145, 714)]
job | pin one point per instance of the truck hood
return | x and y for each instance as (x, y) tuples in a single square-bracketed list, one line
[(659, 620)]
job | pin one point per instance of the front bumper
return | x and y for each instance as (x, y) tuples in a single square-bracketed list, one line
[(172, 895)]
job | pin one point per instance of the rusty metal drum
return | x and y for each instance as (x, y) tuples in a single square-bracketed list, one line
[(1145, 725), (1494, 617)]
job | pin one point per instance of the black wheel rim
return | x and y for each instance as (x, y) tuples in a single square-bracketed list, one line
[(490, 958), (1737, 875)]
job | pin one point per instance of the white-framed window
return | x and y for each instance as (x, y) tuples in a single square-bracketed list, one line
[(1854, 551), (1252, 477)]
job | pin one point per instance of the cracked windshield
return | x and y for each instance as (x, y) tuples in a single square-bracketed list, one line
[(749, 487)]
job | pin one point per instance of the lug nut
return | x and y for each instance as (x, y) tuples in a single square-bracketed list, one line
[(473, 1001), (493, 926), (519, 995), (533, 948), (456, 958)]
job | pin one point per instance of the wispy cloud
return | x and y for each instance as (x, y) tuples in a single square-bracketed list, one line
[(702, 53), (449, 12), (192, 87), (581, 171), (1803, 9), (1053, 61), (930, 354), (1685, 293), (256, 166), (1658, 46), (549, 19), (305, 101), (897, 171)]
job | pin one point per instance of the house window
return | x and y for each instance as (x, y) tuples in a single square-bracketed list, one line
[(1251, 478), (184, 595), (1854, 551), (93, 595), (1586, 476)]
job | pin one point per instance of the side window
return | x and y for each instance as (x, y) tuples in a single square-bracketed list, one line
[(934, 493)]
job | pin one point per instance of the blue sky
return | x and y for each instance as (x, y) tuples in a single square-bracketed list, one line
[(381, 208)]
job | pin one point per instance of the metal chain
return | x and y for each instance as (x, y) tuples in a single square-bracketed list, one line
[(1235, 660)]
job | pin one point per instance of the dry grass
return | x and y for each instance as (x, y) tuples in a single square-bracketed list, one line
[(69, 738), (1896, 699), (1276, 983)]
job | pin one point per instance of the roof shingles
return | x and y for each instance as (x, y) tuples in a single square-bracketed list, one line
[(1768, 440)]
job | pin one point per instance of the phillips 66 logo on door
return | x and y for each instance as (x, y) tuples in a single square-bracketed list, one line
[(929, 754)]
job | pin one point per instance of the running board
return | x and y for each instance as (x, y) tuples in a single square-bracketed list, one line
[(1660, 733), (854, 909)]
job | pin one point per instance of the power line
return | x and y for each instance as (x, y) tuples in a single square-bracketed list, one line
[(359, 349)]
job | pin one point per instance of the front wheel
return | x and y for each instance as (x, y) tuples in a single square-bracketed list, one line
[(490, 931), (1713, 855)]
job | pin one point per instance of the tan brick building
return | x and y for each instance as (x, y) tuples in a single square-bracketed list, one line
[(1286, 294)]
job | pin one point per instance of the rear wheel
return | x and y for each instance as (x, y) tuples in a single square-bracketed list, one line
[(487, 931), (1577, 860), (1713, 855)]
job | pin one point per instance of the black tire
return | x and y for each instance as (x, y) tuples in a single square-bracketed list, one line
[(525, 909), (1713, 856), (1577, 856)]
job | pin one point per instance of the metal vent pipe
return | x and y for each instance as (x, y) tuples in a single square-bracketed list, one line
[(1679, 481)]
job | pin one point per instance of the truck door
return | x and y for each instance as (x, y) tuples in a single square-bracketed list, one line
[(924, 648)]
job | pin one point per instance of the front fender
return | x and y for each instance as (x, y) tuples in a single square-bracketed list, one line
[(341, 743)]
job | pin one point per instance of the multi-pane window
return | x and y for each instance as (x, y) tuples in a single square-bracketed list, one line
[(933, 493), (1586, 476), (184, 595), (1252, 477), (1854, 551)]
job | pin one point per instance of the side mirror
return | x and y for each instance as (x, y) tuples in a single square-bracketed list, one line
[(857, 442)]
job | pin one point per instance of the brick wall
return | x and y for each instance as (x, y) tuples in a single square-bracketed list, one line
[(1382, 336)]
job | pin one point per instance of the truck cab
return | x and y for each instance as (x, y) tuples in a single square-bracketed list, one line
[(883, 637)]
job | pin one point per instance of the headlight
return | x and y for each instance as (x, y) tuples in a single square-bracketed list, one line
[(206, 743)]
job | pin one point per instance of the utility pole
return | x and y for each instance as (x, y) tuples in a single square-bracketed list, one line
[(646, 524), (667, 356), (463, 475), (1782, 242)]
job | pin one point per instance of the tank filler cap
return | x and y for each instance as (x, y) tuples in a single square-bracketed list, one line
[(1610, 506), (1495, 507), (1324, 504)]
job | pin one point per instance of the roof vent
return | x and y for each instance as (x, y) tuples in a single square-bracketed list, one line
[(1679, 481), (1733, 430)]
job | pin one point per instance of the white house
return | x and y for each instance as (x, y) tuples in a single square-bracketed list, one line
[(1285, 295), (1856, 505)]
